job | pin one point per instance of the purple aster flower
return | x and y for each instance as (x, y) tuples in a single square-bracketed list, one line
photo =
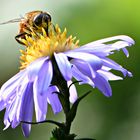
[(33, 89)]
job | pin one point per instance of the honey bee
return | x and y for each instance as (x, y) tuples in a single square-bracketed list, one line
[(35, 20)]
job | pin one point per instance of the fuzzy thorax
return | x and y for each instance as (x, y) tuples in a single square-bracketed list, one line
[(42, 45)]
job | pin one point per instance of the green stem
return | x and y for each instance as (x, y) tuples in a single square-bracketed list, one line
[(61, 83), (63, 133)]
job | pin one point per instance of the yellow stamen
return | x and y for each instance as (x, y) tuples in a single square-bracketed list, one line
[(40, 45)]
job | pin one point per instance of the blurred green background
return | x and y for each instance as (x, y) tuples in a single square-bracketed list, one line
[(115, 118)]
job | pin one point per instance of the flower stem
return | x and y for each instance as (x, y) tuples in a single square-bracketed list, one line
[(63, 133), (63, 95)]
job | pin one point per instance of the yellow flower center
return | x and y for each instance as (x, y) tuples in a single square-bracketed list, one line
[(40, 45)]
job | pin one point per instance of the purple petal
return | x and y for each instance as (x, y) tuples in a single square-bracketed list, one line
[(26, 128), (9, 88), (84, 67), (119, 45), (13, 106), (73, 92), (114, 38), (35, 67), (27, 109), (53, 99), (21, 90), (94, 61), (11, 81), (6, 119), (113, 65), (40, 103), (64, 65), (126, 52), (44, 78), (3, 103), (100, 49), (102, 84), (15, 123), (13, 109), (81, 77), (10, 114), (109, 76)]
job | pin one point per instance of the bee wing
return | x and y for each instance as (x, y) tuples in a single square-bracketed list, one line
[(12, 21)]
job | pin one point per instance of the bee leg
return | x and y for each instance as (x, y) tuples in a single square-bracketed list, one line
[(54, 28), (22, 36), (47, 31)]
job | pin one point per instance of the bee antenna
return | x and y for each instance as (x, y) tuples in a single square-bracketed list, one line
[(12, 21), (21, 16)]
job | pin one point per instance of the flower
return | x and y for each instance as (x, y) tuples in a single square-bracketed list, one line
[(32, 89)]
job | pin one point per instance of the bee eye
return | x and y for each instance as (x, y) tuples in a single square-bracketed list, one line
[(43, 17), (38, 19), (46, 18)]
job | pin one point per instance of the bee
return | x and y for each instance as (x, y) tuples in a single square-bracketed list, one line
[(35, 20)]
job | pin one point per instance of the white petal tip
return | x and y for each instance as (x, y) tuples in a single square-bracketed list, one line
[(6, 127), (127, 39), (130, 74)]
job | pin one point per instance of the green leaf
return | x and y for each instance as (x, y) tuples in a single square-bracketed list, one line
[(73, 110)]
